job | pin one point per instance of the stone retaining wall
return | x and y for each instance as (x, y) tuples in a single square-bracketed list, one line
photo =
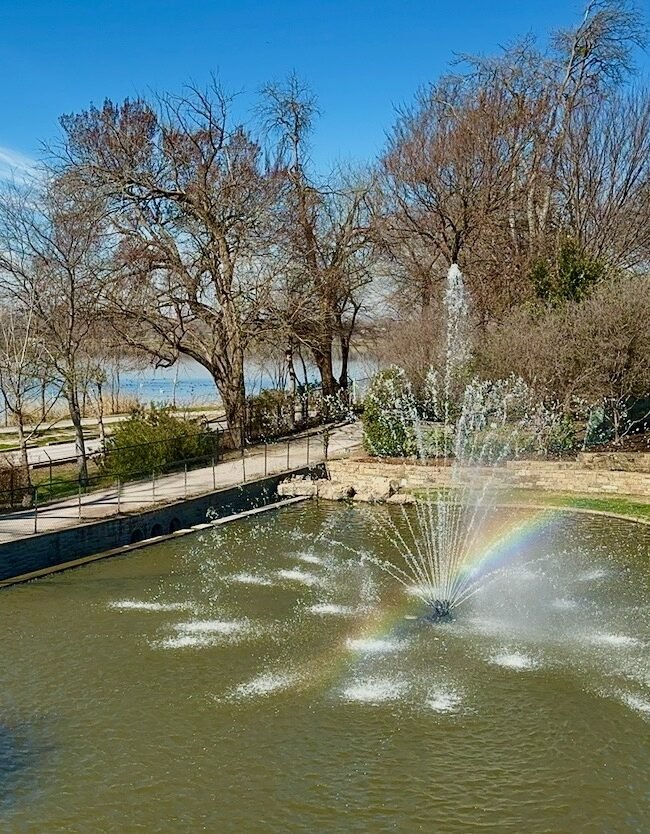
[(614, 461), (553, 476)]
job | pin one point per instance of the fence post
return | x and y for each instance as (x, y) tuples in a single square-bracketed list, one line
[(307, 450), (243, 462), (214, 475), (49, 462), (119, 497), (185, 480), (36, 509), (266, 447), (288, 452), (153, 485), (79, 500)]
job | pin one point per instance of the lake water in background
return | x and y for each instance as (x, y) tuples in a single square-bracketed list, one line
[(192, 385)]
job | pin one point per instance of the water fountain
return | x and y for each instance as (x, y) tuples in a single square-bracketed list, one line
[(471, 427), (263, 677)]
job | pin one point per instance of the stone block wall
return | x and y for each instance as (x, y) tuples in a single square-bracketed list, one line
[(553, 476)]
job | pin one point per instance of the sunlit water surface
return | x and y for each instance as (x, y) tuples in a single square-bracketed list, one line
[(265, 679)]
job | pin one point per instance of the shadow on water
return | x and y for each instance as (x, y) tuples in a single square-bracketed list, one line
[(22, 751)]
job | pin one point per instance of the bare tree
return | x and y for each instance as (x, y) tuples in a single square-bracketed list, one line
[(55, 260), (604, 181), (324, 244), (22, 367), (189, 194), (485, 167)]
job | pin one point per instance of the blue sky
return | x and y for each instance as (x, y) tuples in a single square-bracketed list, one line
[(362, 58)]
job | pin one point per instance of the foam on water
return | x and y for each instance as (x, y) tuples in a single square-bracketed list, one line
[(142, 605), (514, 660), (333, 608), (444, 700), (635, 702), (266, 684), (251, 579), (310, 559), (187, 641), (373, 645), (295, 575), (225, 627), (374, 690), (615, 640)]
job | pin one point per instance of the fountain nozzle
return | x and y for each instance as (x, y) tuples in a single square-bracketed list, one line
[(439, 609)]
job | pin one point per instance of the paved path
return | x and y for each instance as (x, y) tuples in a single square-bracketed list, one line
[(141, 495), (56, 452)]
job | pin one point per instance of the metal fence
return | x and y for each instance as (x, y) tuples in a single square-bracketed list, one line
[(34, 509), (49, 494)]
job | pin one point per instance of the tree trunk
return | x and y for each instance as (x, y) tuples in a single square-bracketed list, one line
[(323, 360), (293, 379), (233, 393), (235, 406), (28, 494), (80, 443), (100, 415), (345, 360)]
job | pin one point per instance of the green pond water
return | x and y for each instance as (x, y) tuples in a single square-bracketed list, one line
[(264, 678)]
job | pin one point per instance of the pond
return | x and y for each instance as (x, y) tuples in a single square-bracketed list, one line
[(267, 678)]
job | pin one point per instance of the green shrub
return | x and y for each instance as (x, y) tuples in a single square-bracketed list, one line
[(507, 442), (270, 413), (561, 437), (437, 440), (389, 410), (569, 276), (155, 440)]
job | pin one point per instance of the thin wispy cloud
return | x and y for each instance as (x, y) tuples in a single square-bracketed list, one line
[(15, 166)]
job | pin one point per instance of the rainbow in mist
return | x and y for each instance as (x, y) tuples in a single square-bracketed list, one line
[(446, 556)]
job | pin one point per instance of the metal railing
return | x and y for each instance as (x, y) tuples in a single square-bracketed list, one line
[(35, 510)]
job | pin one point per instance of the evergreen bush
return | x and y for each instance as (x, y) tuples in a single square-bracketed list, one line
[(154, 441)]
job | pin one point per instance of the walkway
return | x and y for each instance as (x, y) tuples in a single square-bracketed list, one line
[(258, 461)]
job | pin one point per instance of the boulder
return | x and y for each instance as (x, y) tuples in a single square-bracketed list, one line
[(401, 498), (374, 490), (297, 487), (335, 490)]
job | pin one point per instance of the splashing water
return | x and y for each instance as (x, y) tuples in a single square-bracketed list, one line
[(467, 430)]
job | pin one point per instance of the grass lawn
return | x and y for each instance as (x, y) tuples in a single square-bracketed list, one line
[(65, 481), (628, 506), (632, 507)]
